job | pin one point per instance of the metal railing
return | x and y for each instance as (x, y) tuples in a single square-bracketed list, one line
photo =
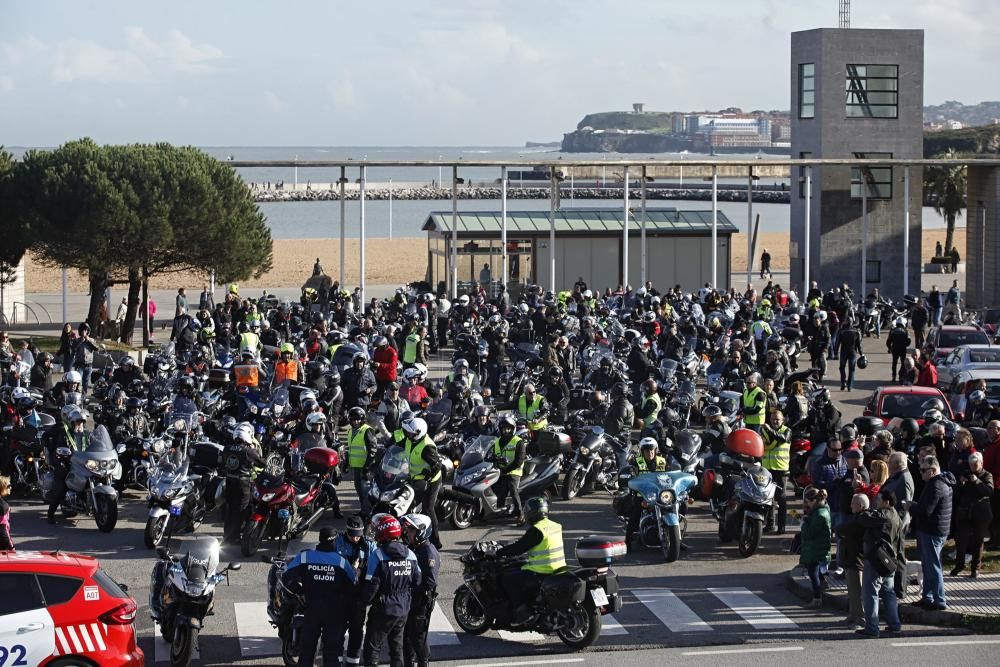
[(13, 321)]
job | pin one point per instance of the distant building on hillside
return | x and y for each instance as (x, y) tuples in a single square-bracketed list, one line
[(637, 107)]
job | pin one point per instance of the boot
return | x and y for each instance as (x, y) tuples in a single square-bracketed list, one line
[(628, 541), (957, 570)]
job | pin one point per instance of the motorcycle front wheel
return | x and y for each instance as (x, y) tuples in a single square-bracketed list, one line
[(670, 542), (251, 539), (584, 630), (156, 528), (106, 513), (572, 484), (469, 613), (462, 517), (182, 648), (750, 538)]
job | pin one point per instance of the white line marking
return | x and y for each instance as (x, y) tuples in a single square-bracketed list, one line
[(522, 637), (562, 661), (670, 610), (752, 609), (86, 638), (440, 632), (611, 627), (97, 637), (161, 649), (747, 650), (257, 637), (77, 646), (948, 643)]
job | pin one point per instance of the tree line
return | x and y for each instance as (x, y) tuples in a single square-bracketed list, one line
[(125, 213)]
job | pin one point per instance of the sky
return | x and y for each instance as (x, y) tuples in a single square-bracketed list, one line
[(426, 73)]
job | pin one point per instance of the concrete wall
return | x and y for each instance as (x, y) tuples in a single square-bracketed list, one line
[(982, 249), (836, 219)]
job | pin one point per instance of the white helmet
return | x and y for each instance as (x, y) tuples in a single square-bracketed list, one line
[(647, 443), (463, 300), (415, 429), (243, 433), (73, 377), (305, 395), (794, 319), (523, 308), (70, 413), (410, 374), (422, 370), (18, 394), (314, 419), (587, 294), (901, 322), (820, 315)]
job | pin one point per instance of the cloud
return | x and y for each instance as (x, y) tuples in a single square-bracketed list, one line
[(175, 50), (343, 93), (6, 84), (75, 60), (274, 103)]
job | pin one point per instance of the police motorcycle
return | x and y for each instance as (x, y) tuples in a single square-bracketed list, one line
[(182, 593), (477, 474), (740, 492), (284, 609), (174, 499), (594, 465), (664, 497), (90, 481), (569, 603)]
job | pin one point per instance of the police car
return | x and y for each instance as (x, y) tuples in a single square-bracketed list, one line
[(62, 610)]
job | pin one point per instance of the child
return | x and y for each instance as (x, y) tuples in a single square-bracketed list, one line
[(6, 544), (816, 540)]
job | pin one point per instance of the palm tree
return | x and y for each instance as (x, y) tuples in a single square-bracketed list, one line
[(946, 186)]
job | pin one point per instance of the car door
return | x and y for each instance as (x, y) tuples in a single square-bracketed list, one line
[(27, 633), (948, 368)]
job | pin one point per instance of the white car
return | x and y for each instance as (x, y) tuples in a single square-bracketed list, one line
[(967, 358)]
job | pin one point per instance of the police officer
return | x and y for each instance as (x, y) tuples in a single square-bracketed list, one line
[(753, 403), (360, 452), (543, 544), (74, 436), (777, 455), (391, 577), (356, 549), (417, 532), (322, 575), (239, 456), (425, 470), (649, 460), (509, 452)]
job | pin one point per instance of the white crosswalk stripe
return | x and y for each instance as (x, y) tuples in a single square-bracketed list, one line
[(670, 610), (752, 609), (440, 632), (161, 649), (257, 637)]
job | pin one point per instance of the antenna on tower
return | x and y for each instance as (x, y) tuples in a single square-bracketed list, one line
[(845, 14)]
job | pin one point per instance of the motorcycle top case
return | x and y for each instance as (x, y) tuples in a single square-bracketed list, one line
[(867, 426), (598, 551), (552, 443), (321, 460), (563, 590), (206, 454), (218, 378)]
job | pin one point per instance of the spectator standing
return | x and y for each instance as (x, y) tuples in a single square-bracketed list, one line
[(973, 495), (932, 517), (120, 320), (206, 300), (955, 259), (6, 543), (850, 535), (953, 301), (765, 264), (935, 304), (181, 300), (849, 348), (150, 314), (816, 539), (67, 344), (883, 550), (896, 343), (927, 376), (919, 318), (991, 462), (938, 249)]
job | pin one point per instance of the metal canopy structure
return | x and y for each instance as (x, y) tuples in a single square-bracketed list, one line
[(577, 221)]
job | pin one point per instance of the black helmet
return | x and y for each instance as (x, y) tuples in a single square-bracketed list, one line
[(933, 404), (481, 410), (821, 396), (605, 362), (333, 379), (185, 385), (909, 427), (619, 389), (711, 411), (506, 423), (119, 396), (848, 433), (134, 402), (536, 509), (355, 526), (668, 416), (310, 405), (25, 404), (554, 373), (356, 414), (932, 416)]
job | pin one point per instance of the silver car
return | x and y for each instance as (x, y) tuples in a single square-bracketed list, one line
[(967, 358)]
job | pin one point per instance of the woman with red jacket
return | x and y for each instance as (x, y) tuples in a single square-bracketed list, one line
[(384, 359)]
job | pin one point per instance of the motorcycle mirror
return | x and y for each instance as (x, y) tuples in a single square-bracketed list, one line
[(235, 567), (163, 552)]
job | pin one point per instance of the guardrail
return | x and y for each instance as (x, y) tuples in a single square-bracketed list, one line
[(12, 321)]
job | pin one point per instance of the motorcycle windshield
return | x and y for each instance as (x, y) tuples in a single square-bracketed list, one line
[(649, 484), (310, 440), (182, 420), (476, 451), (439, 410), (686, 389), (688, 444), (395, 463), (668, 367), (99, 442), (594, 438), (279, 401), (200, 558)]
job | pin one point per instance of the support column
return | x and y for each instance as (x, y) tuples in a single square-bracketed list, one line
[(642, 233), (749, 224), (906, 230), (715, 226), (503, 225), (864, 234), (552, 230), (361, 273), (625, 232), (390, 209), (343, 212), (454, 233), (809, 197)]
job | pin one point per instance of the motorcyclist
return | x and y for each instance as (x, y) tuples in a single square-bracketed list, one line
[(532, 407), (356, 548), (134, 424), (460, 369), (651, 403), (392, 406), (248, 374), (509, 453), (897, 343), (777, 458), (70, 384), (240, 457), (358, 382), (185, 401), (360, 455), (288, 369), (425, 470), (753, 403), (127, 373), (648, 460), (619, 419), (412, 391), (543, 544), (417, 533), (978, 412), (391, 577), (717, 429), (604, 376), (75, 437), (385, 359), (827, 418), (114, 410), (736, 366), (597, 407), (480, 424), (556, 392), (322, 574)]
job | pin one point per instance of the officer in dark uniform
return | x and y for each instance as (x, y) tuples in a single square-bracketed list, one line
[(74, 436), (391, 577), (356, 549), (322, 575), (417, 533), (239, 457)]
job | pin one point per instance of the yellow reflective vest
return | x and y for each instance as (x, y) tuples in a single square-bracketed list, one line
[(547, 556)]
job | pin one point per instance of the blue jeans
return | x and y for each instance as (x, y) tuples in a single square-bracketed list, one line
[(86, 372), (872, 583), (937, 314), (817, 572), (929, 547)]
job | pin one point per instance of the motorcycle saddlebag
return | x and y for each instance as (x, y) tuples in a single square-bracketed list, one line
[(563, 590), (321, 460), (552, 443), (598, 551)]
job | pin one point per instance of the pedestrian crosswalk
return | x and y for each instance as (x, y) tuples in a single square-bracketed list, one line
[(644, 608)]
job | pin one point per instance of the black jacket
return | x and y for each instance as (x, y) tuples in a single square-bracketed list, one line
[(322, 575), (849, 342), (932, 513), (883, 529), (619, 418), (392, 575), (897, 341)]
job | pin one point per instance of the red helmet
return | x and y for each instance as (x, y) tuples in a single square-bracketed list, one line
[(387, 529), (745, 442)]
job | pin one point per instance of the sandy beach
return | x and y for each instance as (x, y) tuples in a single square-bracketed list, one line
[(390, 262)]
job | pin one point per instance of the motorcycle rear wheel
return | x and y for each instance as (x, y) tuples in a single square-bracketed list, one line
[(586, 630), (462, 517), (182, 648), (469, 614), (106, 513), (251, 539)]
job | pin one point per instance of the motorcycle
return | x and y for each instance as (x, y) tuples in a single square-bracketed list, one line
[(594, 465), (28, 456), (743, 507), (284, 609), (174, 499), (664, 497), (389, 489), (182, 593), (90, 480), (569, 603)]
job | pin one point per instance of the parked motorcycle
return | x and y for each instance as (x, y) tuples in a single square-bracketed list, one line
[(664, 497), (284, 609), (175, 501), (594, 465), (569, 603), (27, 456), (182, 593), (90, 480)]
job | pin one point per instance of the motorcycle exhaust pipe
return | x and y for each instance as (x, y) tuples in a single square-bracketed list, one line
[(306, 524), (456, 495)]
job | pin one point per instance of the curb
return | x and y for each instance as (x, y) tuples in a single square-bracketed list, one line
[(799, 586)]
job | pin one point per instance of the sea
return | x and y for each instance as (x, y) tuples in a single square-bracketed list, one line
[(321, 219)]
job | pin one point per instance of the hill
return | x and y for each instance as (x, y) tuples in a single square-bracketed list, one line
[(967, 114), (978, 140)]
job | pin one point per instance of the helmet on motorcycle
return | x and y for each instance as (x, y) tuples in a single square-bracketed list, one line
[(909, 427), (901, 322), (848, 433), (420, 525), (427, 297), (587, 294), (335, 337), (711, 411), (356, 416), (287, 348), (254, 325), (422, 370), (73, 377), (134, 403), (18, 393), (243, 433), (496, 320), (73, 398), (933, 404), (932, 416), (333, 379), (619, 389), (119, 398), (506, 424), (387, 529), (463, 300), (481, 410), (950, 429), (536, 509), (67, 413), (648, 444), (977, 397), (606, 363), (793, 319), (314, 419), (355, 527), (655, 301), (185, 386), (820, 315), (316, 367), (405, 416), (415, 429)]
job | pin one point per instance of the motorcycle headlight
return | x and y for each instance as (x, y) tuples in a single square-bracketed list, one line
[(253, 409), (179, 425), (158, 446), (170, 493), (388, 496), (761, 478), (667, 497), (267, 497), (585, 451), (92, 466)]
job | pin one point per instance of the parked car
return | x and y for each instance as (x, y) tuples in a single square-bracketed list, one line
[(947, 337), (62, 609), (893, 403), (967, 358), (962, 385)]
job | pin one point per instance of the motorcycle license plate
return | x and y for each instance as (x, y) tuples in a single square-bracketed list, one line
[(599, 597)]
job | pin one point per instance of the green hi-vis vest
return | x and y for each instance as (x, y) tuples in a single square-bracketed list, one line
[(357, 453), (777, 449), (418, 466), (547, 556), (508, 452), (410, 351), (753, 405), (655, 398), (527, 412), (659, 464)]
